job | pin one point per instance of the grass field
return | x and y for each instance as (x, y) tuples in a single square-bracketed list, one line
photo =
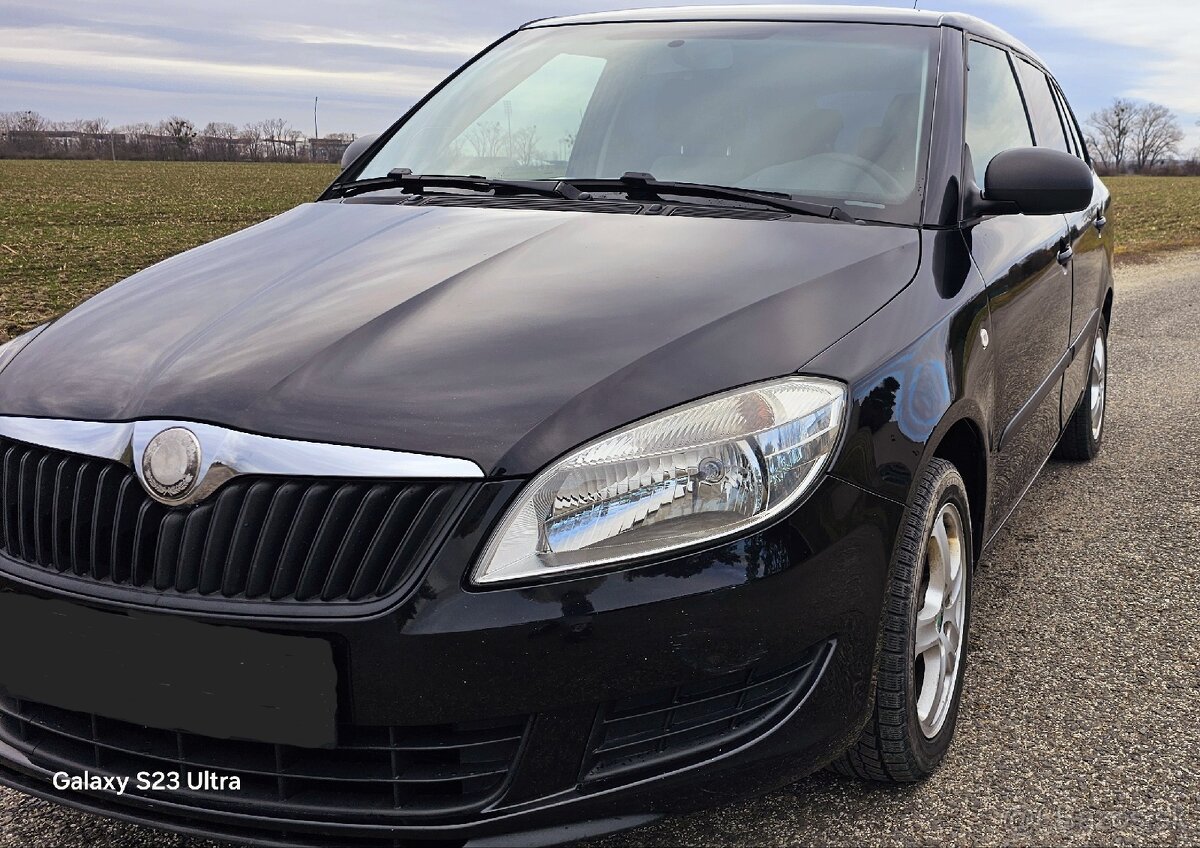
[(70, 229)]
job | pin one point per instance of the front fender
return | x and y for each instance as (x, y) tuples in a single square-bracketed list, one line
[(916, 368)]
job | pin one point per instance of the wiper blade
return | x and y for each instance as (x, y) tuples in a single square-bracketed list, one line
[(638, 184), (410, 183)]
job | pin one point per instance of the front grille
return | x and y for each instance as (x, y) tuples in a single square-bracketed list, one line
[(256, 539), (670, 723), (396, 771)]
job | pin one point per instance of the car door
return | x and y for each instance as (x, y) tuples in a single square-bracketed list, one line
[(1026, 264), (1090, 232)]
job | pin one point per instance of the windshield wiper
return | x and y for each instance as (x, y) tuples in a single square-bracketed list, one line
[(410, 183), (641, 185)]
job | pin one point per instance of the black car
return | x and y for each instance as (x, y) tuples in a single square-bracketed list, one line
[(617, 434)]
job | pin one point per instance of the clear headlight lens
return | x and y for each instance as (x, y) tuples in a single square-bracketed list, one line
[(699, 472)]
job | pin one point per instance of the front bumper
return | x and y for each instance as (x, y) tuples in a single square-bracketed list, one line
[(753, 659)]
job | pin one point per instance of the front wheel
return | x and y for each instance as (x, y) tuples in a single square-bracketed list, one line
[(1085, 430), (925, 637)]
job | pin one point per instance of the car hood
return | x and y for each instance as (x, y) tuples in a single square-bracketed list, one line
[(498, 335)]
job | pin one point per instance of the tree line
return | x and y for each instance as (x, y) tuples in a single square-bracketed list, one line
[(1124, 137), (1139, 138), (28, 134)]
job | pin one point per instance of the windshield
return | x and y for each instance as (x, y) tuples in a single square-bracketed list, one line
[(825, 111)]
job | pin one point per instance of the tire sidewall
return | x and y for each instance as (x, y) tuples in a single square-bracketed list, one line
[(927, 751)]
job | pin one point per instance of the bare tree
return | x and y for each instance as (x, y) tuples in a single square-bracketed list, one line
[(219, 140), (487, 139), (524, 146), (1156, 134), (251, 136), (1112, 128), (26, 121), (274, 133), (293, 137), (181, 132)]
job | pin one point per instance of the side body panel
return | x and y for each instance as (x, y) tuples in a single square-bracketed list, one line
[(1030, 297)]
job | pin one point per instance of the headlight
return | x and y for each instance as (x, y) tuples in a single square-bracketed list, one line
[(697, 473), (10, 349)]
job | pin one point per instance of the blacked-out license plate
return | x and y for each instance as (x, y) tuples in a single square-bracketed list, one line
[(170, 673)]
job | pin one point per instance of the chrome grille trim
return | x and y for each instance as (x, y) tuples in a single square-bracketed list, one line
[(227, 453)]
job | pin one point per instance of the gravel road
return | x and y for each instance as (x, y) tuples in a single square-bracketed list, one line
[(1081, 718)]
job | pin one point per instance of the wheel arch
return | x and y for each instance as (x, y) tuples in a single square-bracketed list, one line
[(960, 441)]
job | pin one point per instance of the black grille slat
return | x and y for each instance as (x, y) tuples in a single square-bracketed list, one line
[(26, 492), (145, 543), (387, 542), (166, 553), (220, 539), (300, 536), (412, 770), (81, 517), (355, 541), (64, 497), (124, 527), (416, 534), (263, 539), (107, 486), (324, 548), (12, 508), (43, 499), (245, 537), (191, 549), (271, 538)]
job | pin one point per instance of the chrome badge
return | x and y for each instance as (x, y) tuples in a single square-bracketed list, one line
[(171, 464)]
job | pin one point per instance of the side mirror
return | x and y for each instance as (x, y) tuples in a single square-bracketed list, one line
[(355, 149), (1036, 181)]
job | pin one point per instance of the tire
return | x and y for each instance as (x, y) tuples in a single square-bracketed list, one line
[(909, 731), (1081, 438)]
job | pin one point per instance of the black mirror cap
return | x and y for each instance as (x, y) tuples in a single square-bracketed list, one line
[(356, 148), (1039, 181)]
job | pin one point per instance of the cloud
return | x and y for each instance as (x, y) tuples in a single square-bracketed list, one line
[(1161, 35), (89, 55), (135, 60)]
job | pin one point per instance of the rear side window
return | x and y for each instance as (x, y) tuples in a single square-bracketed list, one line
[(1073, 136), (995, 113), (1043, 113)]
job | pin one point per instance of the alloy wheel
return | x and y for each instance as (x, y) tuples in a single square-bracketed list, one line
[(1097, 386), (941, 620)]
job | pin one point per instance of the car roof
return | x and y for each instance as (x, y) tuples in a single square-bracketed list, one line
[(796, 12)]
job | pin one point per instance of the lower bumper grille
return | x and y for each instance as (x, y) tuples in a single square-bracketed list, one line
[(671, 723), (375, 773)]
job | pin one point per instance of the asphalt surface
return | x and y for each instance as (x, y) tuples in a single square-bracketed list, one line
[(1080, 718)]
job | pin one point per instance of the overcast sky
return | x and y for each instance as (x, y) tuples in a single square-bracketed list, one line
[(238, 61)]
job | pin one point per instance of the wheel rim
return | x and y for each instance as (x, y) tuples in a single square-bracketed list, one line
[(941, 620), (1097, 386)]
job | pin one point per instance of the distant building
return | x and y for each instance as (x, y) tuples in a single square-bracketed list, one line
[(327, 149)]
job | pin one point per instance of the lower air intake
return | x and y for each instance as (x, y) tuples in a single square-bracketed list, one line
[(670, 723)]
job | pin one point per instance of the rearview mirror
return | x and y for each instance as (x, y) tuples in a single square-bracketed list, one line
[(1037, 181), (356, 148)]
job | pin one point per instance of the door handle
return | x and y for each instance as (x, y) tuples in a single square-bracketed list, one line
[(1100, 223), (1065, 256)]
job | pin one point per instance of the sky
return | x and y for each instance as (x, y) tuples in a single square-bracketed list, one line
[(241, 61)]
